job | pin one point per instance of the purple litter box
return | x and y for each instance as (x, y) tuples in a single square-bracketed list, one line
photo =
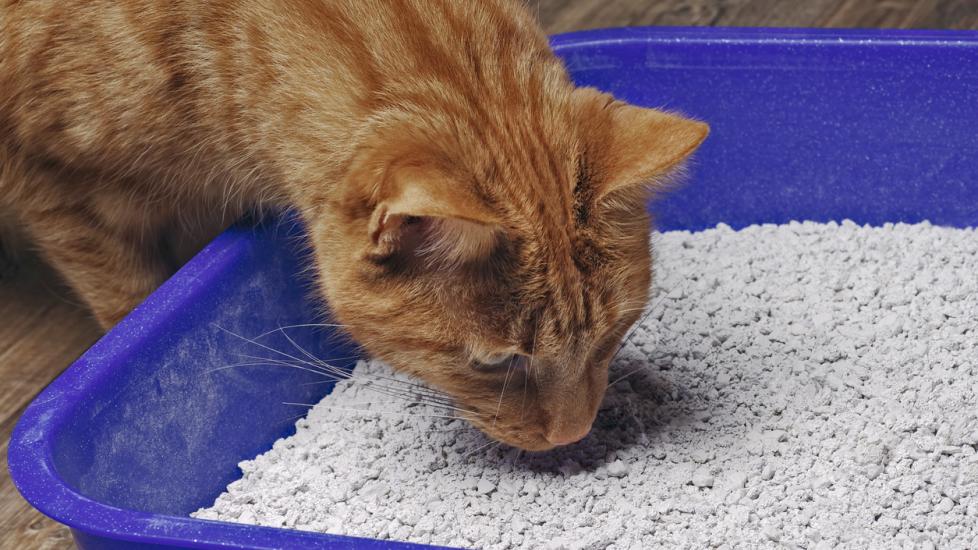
[(875, 126)]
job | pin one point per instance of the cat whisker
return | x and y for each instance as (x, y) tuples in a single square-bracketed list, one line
[(369, 411), (332, 374), (245, 364), (357, 378), (447, 403), (317, 383), (317, 365), (630, 310), (631, 332), (237, 365), (620, 378), (526, 377), (509, 371), (263, 346), (293, 417), (533, 351), (408, 397), (342, 375), (493, 443), (426, 390), (396, 388), (303, 351), (413, 399), (412, 391), (449, 430), (271, 361)]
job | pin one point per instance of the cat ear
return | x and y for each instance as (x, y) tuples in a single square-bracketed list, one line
[(634, 146), (422, 213)]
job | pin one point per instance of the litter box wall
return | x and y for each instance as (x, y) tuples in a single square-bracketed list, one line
[(141, 430), (190, 390), (874, 126)]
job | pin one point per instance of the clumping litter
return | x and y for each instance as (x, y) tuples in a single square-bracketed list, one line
[(802, 385)]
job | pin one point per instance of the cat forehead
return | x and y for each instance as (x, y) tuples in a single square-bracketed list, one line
[(525, 154), (562, 313), (540, 202)]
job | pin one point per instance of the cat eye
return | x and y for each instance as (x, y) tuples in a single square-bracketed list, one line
[(499, 361)]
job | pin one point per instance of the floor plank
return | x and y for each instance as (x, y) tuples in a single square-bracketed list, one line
[(41, 330), (568, 15), (40, 333)]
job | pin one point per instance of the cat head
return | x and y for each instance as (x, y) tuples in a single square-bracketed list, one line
[(502, 257)]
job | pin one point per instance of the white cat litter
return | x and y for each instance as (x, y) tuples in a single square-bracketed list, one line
[(801, 386)]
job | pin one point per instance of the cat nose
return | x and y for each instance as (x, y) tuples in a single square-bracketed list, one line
[(567, 435)]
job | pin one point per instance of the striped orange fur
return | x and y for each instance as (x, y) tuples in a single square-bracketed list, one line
[(465, 200)]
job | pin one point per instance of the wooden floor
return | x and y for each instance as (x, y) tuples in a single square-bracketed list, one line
[(42, 329), (568, 15)]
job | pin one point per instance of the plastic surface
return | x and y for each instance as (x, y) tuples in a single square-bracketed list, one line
[(875, 126), (145, 427)]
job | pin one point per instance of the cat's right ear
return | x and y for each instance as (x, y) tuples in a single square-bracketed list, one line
[(421, 213), (629, 147)]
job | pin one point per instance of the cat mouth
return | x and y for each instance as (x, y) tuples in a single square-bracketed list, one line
[(519, 437), (537, 445), (528, 436)]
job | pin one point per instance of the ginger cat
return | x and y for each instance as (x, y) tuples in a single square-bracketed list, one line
[(476, 219)]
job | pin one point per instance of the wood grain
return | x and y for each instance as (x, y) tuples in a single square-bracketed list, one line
[(558, 16), (41, 330)]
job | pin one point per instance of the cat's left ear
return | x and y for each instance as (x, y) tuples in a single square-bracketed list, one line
[(423, 213), (628, 146)]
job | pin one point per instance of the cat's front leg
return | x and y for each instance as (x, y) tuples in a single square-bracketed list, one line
[(112, 266)]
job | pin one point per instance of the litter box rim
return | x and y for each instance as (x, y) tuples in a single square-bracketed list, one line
[(30, 452)]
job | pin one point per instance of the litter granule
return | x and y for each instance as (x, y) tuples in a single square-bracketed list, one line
[(804, 385)]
